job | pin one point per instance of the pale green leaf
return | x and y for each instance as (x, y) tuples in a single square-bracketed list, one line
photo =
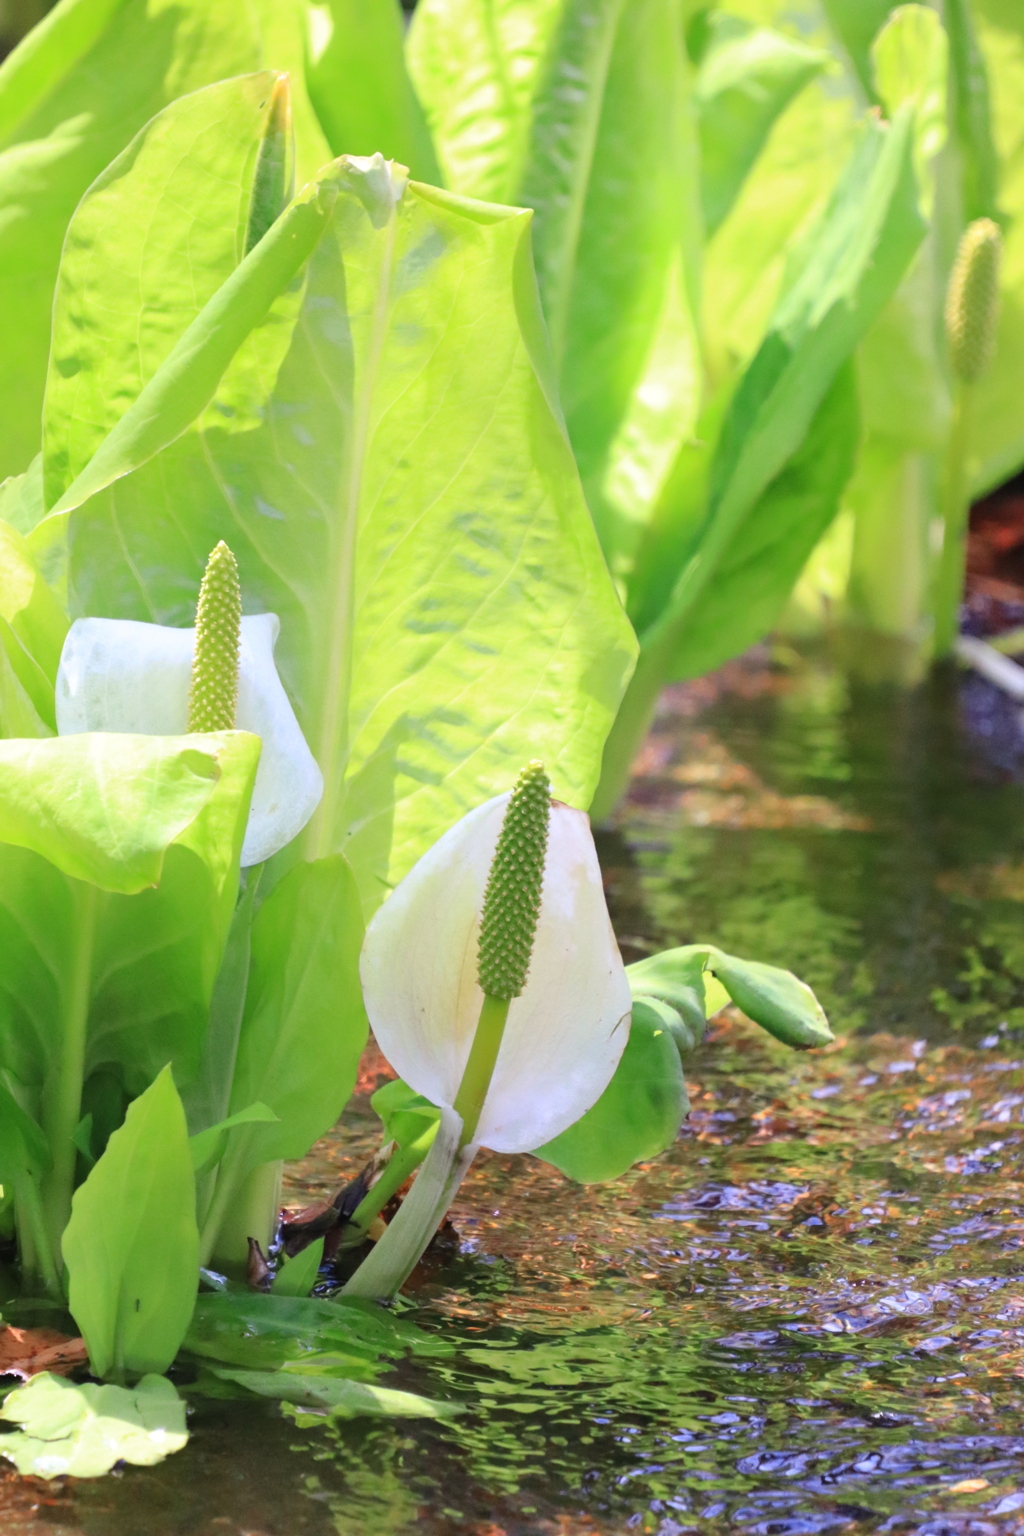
[(148, 961), (72, 1429), (32, 623), (72, 95), (748, 76), (206, 1146), (131, 1247), (476, 66), (150, 243), (910, 57), (105, 808), (843, 277), (759, 570), (383, 455), (304, 1026), (998, 447)]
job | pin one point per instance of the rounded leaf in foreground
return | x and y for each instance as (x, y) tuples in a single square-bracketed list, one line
[(125, 676), (567, 1030)]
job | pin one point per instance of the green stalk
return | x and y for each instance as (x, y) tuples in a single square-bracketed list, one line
[(244, 1205), (956, 503), (62, 1094), (34, 1239), (404, 1161), (382, 1273), (479, 1069)]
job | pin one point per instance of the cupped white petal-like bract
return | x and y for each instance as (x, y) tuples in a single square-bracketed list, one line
[(564, 1034), (125, 676)]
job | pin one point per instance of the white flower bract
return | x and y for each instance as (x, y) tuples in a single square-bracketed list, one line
[(125, 676), (565, 1033)]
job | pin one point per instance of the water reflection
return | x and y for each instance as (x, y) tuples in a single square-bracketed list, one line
[(809, 1315)]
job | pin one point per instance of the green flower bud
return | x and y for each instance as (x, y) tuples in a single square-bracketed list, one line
[(512, 897), (213, 695), (972, 302)]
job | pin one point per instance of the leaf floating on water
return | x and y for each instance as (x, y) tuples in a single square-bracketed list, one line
[(26, 1352), (83, 1430), (342, 1398)]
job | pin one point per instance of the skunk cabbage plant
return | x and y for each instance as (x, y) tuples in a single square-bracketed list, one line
[(410, 531)]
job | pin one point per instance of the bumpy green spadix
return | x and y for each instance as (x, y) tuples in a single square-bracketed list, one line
[(512, 897), (213, 695), (972, 301)]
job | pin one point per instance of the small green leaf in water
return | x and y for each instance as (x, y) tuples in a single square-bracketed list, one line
[(297, 1276), (81, 1430)]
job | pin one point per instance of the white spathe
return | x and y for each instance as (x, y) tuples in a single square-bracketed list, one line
[(565, 1033), (126, 676)]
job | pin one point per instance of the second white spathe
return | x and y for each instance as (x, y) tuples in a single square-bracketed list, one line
[(565, 1033), (126, 676)]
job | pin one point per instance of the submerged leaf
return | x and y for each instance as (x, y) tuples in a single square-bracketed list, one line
[(273, 1332), (82, 1430), (342, 1399)]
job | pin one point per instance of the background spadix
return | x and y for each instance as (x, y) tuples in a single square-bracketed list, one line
[(565, 1033), (129, 677)]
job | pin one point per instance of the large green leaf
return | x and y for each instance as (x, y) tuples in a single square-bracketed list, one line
[(845, 274), (123, 814), (612, 173), (748, 75), (304, 1026), (639, 1113), (785, 192), (476, 66), (105, 808), (301, 1037), (759, 570), (357, 81), (71, 97), (132, 1247), (150, 243), (382, 453), (583, 111)]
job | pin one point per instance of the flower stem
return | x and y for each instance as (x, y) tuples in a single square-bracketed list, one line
[(479, 1069), (62, 1094), (383, 1272), (404, 1161)]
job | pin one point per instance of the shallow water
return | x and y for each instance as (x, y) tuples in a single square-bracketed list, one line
[(809, 1315)]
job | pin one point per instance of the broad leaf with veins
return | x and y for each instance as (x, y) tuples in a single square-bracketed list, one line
[(365, 412)]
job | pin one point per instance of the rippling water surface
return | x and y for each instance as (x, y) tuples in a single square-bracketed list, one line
[(809, 1315)]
